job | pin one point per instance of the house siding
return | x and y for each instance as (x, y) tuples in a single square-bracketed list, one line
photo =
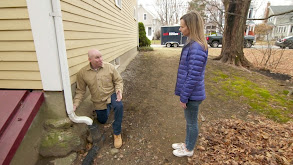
[(282, 24), (151, 21), (97, 24), (18, 60), (147, 23)]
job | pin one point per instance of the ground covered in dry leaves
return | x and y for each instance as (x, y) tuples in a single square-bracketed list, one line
[(230, 133), (234, 141)]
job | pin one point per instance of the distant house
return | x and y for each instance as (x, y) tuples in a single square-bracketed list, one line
[(282, 24), (214, 18), (250, 25), (150, 21), (43, 44)]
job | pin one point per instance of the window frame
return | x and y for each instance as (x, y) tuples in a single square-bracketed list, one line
[(150, 30), (134, 13), (118, 3)]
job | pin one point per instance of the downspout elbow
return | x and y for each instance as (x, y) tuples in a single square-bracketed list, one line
[(80, 119)]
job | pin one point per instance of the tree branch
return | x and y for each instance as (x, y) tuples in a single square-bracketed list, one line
[(290, 11)]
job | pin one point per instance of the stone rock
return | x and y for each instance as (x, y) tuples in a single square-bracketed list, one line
[(114, 151), (60, 143), (202, 118), (68, 160), (64, 123), (90, 139)]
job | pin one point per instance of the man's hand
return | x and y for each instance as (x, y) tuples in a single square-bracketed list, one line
[(119, 96), (74, 108), (183, 105)]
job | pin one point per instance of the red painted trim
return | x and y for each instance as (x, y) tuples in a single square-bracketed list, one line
[(10, 101), (16, 130)]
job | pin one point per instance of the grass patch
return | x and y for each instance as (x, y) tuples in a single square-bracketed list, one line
[(156, 42), (275, 106), (146, 48)]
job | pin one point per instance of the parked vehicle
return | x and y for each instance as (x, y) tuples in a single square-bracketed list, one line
[(216, 40), (285, 42), (171, 36)]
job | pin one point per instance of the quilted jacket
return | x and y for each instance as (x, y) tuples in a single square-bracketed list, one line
[(190, 77)]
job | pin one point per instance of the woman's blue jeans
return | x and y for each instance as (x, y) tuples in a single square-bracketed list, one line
[(103, 115), (191, 113)]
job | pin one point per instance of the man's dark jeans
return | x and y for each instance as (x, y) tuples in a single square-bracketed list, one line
[(103, 115)]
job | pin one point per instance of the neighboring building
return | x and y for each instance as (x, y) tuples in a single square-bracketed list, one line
[(250, 25), (43, 44), (214, 18), (150, 21), (282, 24)]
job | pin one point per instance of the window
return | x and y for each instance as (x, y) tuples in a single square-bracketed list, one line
[(144, 16), (118, 3), (281, 29), (116, 62), (149, 31), (250, 13)]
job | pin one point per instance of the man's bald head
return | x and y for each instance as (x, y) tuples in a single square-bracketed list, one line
[(95, 58), (93, 52)]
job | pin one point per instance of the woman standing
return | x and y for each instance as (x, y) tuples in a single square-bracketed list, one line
[(190, 78)]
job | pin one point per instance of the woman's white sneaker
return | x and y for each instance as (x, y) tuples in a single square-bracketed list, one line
[(177, 146), (182, 152)]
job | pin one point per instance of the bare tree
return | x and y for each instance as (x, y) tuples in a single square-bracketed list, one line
[(198, 5), (216, 13), (169, 11), (212, 12), (235, 21), (263, 30)]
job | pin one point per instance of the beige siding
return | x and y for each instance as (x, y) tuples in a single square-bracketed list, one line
[(97, 24), (18, 61)]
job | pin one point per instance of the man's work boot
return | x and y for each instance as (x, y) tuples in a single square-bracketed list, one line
[(117, 141)]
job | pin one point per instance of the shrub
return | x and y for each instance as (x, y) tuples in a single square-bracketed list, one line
[(145, 49), (157, 35), (143, 40)]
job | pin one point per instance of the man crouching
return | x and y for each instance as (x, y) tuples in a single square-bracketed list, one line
[(105, 85)]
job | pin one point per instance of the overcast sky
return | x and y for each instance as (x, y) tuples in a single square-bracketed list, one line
[(260, 5)]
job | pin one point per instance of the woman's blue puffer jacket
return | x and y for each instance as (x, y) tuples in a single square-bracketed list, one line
[(190, 77)]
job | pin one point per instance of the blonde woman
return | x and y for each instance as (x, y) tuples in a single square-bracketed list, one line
[(190, 78)]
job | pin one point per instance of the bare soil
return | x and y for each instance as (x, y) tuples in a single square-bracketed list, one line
[(153, 119)]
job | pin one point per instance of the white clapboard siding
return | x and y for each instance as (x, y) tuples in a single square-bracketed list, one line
[(98, 24)]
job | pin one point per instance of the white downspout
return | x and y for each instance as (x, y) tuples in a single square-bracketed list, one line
[(64, 65)]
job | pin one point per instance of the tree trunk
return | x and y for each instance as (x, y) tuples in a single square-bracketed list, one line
[(233, 38)]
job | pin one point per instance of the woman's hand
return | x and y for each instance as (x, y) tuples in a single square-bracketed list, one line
[(183, 105)]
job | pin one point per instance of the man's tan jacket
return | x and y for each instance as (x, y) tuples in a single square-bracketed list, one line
[(102, 83)]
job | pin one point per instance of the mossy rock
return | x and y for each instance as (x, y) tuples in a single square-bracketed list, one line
[(60, 143), (64, 123)]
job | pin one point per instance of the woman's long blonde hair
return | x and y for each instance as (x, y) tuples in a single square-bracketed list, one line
[(194, 23)]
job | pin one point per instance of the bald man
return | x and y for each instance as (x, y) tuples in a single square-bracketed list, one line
[(105, 85)]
